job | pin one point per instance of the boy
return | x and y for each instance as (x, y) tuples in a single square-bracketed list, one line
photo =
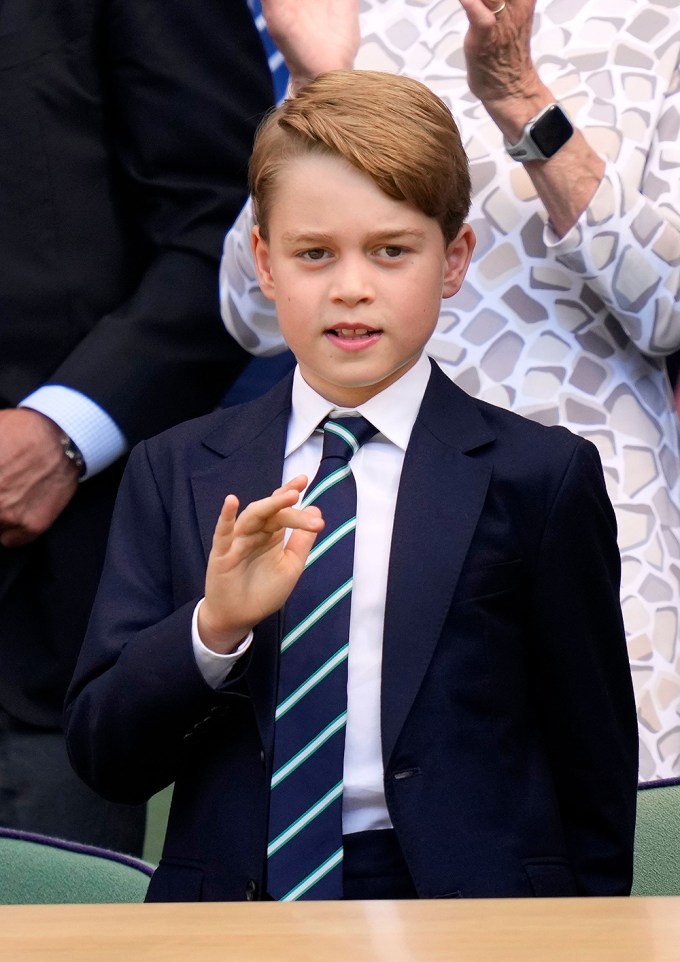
[(484, 641)]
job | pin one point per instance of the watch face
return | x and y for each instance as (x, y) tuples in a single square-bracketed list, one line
[(551, 131)]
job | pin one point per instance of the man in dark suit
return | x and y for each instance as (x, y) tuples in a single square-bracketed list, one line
[(126, 131), (488, 730)]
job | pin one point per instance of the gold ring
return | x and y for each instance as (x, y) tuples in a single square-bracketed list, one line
[(499, 10)]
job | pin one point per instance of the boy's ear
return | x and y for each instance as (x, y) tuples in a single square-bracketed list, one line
[(458, 257), (262, 262)]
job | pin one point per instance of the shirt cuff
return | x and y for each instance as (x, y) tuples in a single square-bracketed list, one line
[(92, 430), (214, 667)]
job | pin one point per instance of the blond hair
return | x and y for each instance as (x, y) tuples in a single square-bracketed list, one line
[(392, 128)]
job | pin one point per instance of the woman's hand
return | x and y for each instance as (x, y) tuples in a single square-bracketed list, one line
[(498, 49)]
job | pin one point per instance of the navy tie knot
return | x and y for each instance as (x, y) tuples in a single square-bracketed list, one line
[(342, 437)]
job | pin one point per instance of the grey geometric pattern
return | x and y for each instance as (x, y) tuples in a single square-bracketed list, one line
[(570, 331)]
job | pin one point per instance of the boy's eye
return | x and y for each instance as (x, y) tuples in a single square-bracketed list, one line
[(314, 254), (391, 251)]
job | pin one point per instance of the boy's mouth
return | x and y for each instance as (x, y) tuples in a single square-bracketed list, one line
[(352, 332)]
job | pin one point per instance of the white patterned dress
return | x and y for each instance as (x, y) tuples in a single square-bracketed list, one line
[(571, 331)]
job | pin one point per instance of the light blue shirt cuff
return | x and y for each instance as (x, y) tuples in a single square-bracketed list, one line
[(92, 430)]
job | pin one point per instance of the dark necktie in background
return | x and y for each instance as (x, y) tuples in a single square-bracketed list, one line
[(305, 825), (261, 373), (277, 65)]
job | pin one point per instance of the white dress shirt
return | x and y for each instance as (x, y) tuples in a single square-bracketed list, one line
[(377, 471)]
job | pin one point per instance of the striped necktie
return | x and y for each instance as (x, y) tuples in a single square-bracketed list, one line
[(305, 822)]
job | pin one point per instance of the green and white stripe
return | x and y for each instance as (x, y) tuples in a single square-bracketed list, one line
[(316, 615), (314, 877), (304, 820), (322, 547), (312, 681), (310, 748), (325, 484), (342, 432)]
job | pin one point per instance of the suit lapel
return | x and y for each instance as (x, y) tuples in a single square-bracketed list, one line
[(441, 494), (250, 449)]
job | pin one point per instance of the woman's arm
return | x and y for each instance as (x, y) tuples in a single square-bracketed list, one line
[(622, 238)]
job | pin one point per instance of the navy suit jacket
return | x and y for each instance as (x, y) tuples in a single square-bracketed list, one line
[(508, 724)]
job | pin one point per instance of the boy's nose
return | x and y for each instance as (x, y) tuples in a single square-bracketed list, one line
[(351, 284)]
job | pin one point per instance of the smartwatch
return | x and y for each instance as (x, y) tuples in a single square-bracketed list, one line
[(543, 136)]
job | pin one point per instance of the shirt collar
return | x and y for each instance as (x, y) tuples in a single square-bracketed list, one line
[(392, 411)]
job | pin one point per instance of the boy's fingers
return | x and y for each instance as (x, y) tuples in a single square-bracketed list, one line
[(298, 483), (300, 544), (305, 519), (266, 516), (224, 529), (258, 513), (277, 512)]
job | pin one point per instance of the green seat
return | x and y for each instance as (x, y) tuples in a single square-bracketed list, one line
[(657, 839), (35, 869)]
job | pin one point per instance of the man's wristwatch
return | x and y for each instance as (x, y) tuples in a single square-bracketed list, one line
[(73, 453), (543, 136)]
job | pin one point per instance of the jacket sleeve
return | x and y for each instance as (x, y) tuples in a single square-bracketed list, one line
[(137, 692), (583, 678), (185, 86)]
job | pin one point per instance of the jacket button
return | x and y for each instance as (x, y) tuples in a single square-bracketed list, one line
[(262, 755), (251, 888)]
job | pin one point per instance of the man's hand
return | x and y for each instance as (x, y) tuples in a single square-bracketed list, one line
[(250, 571), (36, 480), (314, 36)]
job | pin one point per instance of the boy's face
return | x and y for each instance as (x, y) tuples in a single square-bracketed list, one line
[(357, 277)]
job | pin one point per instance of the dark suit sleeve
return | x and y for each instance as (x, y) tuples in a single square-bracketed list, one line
[(185, 85), (583, 678), (137, 692)]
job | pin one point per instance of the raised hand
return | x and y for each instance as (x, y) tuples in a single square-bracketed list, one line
[(502, 74), (313, 35), (251, 572), (498, 49)]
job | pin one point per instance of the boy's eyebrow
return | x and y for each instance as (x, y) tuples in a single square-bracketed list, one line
[(384, 235)]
